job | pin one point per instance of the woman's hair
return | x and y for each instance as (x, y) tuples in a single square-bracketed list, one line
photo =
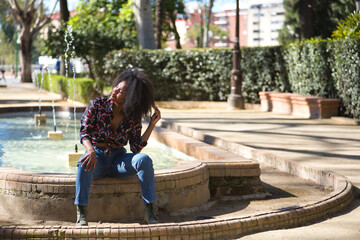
[(139, 98)]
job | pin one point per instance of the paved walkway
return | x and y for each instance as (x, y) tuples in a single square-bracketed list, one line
[(323, 144)]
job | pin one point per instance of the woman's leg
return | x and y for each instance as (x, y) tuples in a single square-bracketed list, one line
[(130, 164), (84, 178)]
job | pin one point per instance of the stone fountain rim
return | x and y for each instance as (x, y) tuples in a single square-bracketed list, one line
[(217, 228)]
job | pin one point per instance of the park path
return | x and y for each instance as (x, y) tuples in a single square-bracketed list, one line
[(323, 144), (320, 143)]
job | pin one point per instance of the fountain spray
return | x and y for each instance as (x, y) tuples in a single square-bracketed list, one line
[(69, 38), (40, 119), (53, 134)]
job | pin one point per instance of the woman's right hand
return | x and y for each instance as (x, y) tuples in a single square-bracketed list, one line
[(89, 160)]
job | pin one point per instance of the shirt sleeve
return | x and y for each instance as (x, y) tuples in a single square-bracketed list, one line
[(87, 122), (136, 141)]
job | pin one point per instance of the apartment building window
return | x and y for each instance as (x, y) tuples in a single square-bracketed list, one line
[(258, 14)]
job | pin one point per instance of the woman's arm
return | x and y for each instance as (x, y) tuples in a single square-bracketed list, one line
[(86, 128), (89, 160), (154, 119)]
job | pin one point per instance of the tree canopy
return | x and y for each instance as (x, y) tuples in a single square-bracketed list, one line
[(98, 28), (349, 27), (326, 15)]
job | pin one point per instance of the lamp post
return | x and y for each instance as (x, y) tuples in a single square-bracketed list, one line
[(235, 100)]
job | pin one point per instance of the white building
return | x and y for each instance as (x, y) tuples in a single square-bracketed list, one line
[(265, 19)]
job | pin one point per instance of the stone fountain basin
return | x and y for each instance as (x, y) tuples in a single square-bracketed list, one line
[(185, 187)]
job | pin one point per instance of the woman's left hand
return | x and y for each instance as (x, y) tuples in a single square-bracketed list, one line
[(155, 117)]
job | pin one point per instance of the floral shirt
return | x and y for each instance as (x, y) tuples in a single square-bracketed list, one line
[(95, 126)]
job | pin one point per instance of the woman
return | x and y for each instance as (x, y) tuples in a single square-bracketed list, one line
[(107, 125)]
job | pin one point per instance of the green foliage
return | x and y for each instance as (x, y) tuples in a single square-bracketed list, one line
[(7, 50), (202, 74), (178, 75), (345, 65), (263, 69), (291, 30), (170, 11), (327, 13), (348, 28), (98, 28), (194, 33), (84, 87), (309, 72)]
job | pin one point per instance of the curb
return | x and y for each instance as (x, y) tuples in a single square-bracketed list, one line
[(346, 120), (214, 228)]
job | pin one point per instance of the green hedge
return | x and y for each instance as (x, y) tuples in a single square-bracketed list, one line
[(203, 74), (263, 69), (84, 87), (178, 75), (345, 66), (309, 70), (314, 67), (327, 69)]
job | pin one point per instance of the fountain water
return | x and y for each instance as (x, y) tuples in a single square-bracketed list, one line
[(53, 134), (40, 119), (73, 158)]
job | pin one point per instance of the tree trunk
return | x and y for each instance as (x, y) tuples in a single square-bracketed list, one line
[(29, 21), (177, 36), (306, 18), (64, 11), (207, 24), (201, 28), (144, 23), (158, 23), (64, 17), (25, 52)]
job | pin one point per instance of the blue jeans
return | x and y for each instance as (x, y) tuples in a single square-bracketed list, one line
[(117, 164)]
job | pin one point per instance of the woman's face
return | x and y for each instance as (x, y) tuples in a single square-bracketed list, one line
[(119, 92)]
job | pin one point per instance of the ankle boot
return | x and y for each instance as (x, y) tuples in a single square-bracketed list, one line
[(81, 216), (149, 214)]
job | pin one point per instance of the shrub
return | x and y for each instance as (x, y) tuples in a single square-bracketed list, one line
[(345, 65), (263, 69), (60, 84), (309, 71), (203, 74), (348, 28)]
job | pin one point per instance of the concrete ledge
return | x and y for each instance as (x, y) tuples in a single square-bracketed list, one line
[(346, 120), (299, 105), (31, 195), (225, 228), (35, 109), (201, 105)]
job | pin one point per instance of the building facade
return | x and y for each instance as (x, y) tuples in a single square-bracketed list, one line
[(265, 19), (226, 20)]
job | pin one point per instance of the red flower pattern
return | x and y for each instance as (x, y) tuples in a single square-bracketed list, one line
[(95, 126)]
